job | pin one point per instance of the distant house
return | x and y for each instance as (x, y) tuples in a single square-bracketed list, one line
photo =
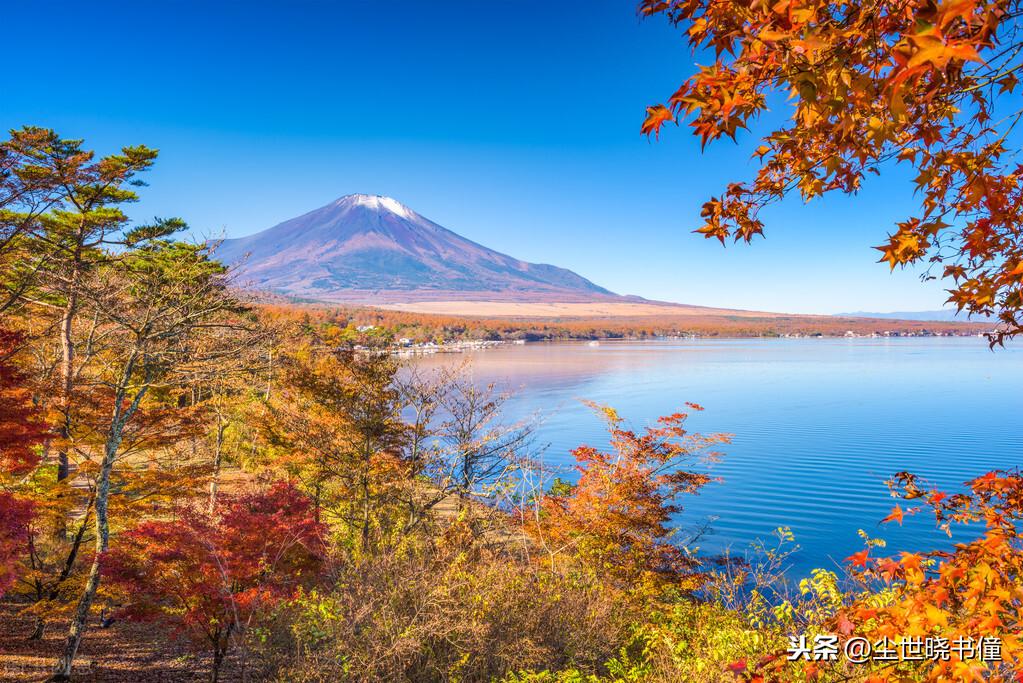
[(365, 328)]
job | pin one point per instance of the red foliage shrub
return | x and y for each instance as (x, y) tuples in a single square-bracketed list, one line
[(211, 577)]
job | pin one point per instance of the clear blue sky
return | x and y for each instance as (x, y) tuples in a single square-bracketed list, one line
[(514, 123)]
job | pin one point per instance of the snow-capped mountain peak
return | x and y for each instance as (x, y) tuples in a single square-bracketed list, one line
[(371, 247), (377, 202)]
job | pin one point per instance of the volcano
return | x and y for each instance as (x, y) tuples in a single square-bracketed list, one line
[(368, 248)]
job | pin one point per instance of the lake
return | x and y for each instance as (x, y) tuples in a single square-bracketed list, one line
[(818, 425)]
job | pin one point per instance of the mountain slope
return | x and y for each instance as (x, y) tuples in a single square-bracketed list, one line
[(371, 248), (946, 315)]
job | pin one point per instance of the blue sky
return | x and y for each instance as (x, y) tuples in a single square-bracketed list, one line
[(514, 123)]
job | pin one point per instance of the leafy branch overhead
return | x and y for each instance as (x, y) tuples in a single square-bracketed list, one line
[(924, 83)]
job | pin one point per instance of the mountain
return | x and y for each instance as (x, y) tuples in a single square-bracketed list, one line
[(947, 315), (367, 248)]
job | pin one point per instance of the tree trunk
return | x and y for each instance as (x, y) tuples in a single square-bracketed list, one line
[(34, 563), (65, 572), (366, 512), (316, 501), (218, 659), (269, 374), (217, 459), (76, 545), (79, 621), (62, 672), (220, 644), (67, 369), (39, 630)]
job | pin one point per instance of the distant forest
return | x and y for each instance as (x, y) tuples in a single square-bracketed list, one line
[(389, 326)]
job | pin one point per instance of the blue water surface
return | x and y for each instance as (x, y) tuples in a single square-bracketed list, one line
[(818, 425)]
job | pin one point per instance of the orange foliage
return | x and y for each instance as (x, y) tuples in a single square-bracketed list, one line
[(21, 427), (618, 520), (948, 616), (923, 83), (971, 595)]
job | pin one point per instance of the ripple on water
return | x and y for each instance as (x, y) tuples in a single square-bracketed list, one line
[(818, 425)]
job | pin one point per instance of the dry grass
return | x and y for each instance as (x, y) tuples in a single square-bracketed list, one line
[(441, 616), (598, 309)]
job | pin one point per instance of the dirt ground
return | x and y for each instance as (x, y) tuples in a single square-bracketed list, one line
[(124, 652)]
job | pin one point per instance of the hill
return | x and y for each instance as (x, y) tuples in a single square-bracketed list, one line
[(946, 315)]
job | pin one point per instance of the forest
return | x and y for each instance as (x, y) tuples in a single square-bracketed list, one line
[(389, 326), (274, 504), (193, 485)]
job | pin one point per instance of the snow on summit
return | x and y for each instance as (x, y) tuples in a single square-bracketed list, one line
[(377, 203)]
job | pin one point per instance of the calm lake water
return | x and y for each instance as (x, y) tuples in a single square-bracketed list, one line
[(818, 425)]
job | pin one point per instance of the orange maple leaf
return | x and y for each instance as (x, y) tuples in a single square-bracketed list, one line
[(656, 116), (859, 559), (896, 516)]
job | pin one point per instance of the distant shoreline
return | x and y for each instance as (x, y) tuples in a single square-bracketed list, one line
[(376, 327), (430, 348)]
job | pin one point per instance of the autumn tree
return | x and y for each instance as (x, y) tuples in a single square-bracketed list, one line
[(619, 519), (22, 428), (64, 237), (157, 306), (16, 515), (931, 85), (458, 448), (950, 614), (21, 432), (32, 504), (224, 399), (31, 488), (969, 596), (420, 394), (29, 187), (211, 576), (333, 422), (26, 191), (121, 328), (64, 245), (477, 448)]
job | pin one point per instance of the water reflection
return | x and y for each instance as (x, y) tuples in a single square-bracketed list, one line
[(818, 424)]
